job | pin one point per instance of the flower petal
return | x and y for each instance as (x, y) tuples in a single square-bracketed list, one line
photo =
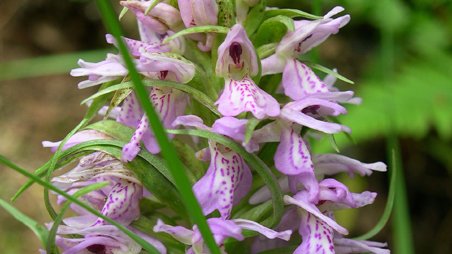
[(269, 233), (109, 69), (179, 233), (346, 246), (300, 200), (330, 164), (292, 156), (299, 80), (226, 181), (245, 96), (294, 112), (316, 234), (309, 34)]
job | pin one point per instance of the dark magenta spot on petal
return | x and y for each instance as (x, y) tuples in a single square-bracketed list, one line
[(97, 249), (235, 51)]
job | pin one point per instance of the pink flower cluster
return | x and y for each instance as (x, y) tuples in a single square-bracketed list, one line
[(310, 194)]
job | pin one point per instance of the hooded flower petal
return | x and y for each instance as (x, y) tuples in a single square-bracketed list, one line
[(227, 180), (305, 112), (330, 164), (198, 12), (245, 96), (236, 55), (101, 72), (168, 16), (136, 47)]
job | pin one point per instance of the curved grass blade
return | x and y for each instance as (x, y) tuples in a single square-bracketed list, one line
[(168, 151), (53, 230), (39, 230), (92, 111), (253, 161), (389, 203), (250, 126), (272, 30), (143, 243), (197, 29), (328, 71), (193, 92), (41, 170)]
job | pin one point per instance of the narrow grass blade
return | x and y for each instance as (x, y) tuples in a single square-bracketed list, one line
[(39, 230), (46, 65), (143, 243), (394, 168), (168, 151), (402, 236)]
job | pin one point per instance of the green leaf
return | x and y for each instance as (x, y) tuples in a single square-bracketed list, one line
[(53, 230), (266, 50), (272, 30), (197, 29), (226, 13), (119, 96), (255, 17), (39, 230), (47, 65), (148, 247), (193, 92), (253, 161), (291, 13), (168, 151), (151, 6)]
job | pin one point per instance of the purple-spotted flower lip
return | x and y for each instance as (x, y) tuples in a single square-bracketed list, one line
[(236, 55), (245, 96)]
